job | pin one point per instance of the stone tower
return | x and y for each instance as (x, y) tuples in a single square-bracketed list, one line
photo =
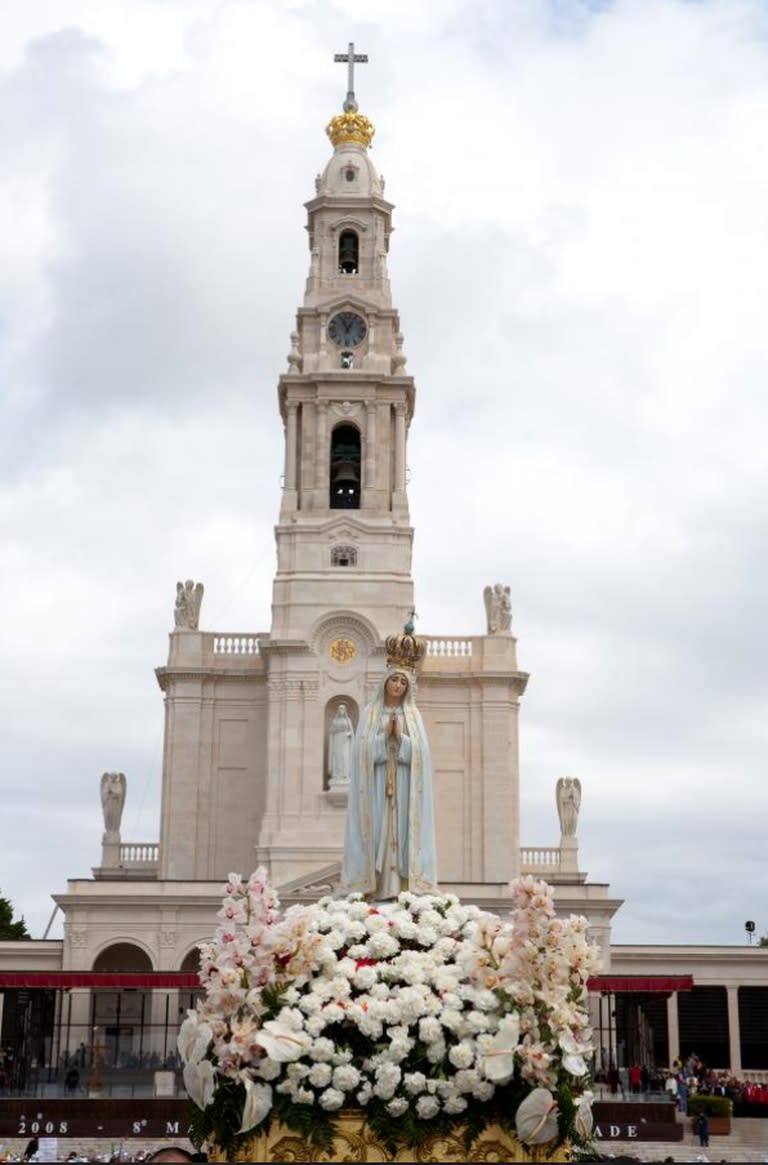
[(247, 714), (245, 770)]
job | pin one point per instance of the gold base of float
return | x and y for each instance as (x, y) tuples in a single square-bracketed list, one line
[(355, 1142)]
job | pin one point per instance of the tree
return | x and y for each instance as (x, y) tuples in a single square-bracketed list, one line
[(763, 941), (8, 928)]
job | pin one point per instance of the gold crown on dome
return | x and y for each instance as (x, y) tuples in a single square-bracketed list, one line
[(405, 650), (351, 126)]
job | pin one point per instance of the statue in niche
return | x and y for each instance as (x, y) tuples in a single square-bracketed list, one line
[(340, 736), (568, 797), (113, 786), (498, 608), (389, 842), (189, 596)]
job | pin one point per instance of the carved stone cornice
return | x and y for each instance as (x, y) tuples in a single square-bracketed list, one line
[(293, 686), (284, 647), (167, 676)]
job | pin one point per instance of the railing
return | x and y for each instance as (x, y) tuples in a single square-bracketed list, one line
[(134, 853), (449, 647), (224, 644), (540, 855)]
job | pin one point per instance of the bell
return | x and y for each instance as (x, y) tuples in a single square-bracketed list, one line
[(345, 471)]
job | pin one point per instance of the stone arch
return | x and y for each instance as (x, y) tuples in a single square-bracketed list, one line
[(123, 955), (345, 624), (189, 995), (191, 961), (345, 469), (120, 1027), (348, 257)]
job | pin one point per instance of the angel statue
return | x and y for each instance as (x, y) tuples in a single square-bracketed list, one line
[(189, 596), (113, 786), (498, 608), (568, 796)]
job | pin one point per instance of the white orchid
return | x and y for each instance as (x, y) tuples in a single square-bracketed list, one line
[(499, 1058)]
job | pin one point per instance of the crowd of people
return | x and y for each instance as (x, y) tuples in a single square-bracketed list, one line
[(693, 1077), (122, 1156)]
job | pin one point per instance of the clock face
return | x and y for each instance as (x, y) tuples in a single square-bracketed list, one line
[(347, 329)]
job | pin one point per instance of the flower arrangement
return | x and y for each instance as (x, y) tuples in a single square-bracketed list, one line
[(428, 1014)]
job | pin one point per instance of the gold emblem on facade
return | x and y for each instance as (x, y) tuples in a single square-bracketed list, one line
[(343, 650)]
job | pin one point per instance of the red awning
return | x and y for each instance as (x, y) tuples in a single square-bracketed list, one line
[(114, 979), (640, 983)]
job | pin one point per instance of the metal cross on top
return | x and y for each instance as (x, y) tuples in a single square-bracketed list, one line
[(351, 58)]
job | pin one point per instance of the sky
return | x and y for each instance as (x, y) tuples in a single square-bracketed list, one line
[(580, 262)]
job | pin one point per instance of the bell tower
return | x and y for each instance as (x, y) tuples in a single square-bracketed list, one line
[(344, 537)]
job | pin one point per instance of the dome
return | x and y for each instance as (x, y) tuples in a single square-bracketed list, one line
[(350, 171)]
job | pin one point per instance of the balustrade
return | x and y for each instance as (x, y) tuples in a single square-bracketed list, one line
[(540, 855), (449, 647), (139, 852), (225, 644)]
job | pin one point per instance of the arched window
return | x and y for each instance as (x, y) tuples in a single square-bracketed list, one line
[(343, 556), (345, 468), (349, 249)]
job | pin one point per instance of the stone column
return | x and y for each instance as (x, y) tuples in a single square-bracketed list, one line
[(369, 477), (734, 1030), (321, 452), (399, 483), (290, 446), (673, 1027)]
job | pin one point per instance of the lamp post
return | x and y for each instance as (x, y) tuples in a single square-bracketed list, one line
[(749, 927)]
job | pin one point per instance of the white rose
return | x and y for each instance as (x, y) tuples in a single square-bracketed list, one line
[(320, 1075), (429, 1030), (365, 978), (331, 1099), (462, 1055), (346, 1077), (388, 1076), (483, 1090), (427, 1107), (316, 1024), (322, 1049)]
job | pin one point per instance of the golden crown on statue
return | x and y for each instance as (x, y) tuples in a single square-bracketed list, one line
[(350, 126), (405, 650)]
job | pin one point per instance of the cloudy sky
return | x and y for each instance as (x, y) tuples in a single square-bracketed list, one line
[(581, 266)]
